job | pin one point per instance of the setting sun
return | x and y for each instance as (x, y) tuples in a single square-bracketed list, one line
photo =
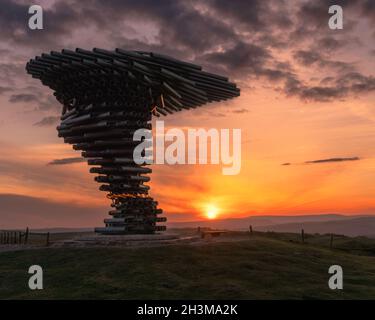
[(211, 211)]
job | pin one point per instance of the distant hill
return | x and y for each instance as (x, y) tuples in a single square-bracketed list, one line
[(327, 223), (363, 226)]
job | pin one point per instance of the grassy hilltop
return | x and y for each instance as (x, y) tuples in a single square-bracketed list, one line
[(264, 266)]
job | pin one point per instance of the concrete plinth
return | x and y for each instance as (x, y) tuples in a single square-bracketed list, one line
[(128, 240)]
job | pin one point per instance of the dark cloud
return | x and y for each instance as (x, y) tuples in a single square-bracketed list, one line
[(330, 43), (243, 57), (332, 160), (255, 15), (12, 15), (308, 58), (356, 82), (342, 86), (47, 121), (327, 80), (179, 24), (329, 160), (243, 110), (67, 161), (5, 89), (313, 15), (39, 98), (248, 13), (247, 60), (59, 21), (237, 39), (315, 93), (23, 97), (368, 9)]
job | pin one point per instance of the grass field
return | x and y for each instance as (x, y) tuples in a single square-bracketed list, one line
[(265, 266)]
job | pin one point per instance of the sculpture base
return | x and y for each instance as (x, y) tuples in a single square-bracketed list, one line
[(124, 231), (134, 214), (127, 240)]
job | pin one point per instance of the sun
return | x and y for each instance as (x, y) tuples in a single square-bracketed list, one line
[(211, 211)]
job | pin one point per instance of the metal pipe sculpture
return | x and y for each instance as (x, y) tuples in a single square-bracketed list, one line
[(106, 96)]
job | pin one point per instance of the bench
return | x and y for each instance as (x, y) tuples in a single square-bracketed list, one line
[(212, 233)]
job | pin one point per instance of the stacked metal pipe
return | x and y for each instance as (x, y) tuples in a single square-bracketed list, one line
[(106, 96)]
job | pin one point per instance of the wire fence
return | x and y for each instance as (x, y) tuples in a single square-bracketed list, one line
[(9, 237)]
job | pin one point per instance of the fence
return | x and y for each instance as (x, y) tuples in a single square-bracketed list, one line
[(23, 237), (300, 238)]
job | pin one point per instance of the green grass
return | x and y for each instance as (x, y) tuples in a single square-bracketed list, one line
[(354, 245), (269, 266)]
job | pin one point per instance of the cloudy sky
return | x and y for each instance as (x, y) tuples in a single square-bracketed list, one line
[(306, 108)]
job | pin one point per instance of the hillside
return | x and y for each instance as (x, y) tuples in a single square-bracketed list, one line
[(264, 266), (327, 223), (364, 226)]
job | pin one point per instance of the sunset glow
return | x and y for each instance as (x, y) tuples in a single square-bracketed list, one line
[(212, 211)]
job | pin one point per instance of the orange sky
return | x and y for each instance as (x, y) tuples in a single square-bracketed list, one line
[(274, 131)]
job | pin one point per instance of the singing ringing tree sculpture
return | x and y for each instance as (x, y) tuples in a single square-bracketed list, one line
[(108, 95)]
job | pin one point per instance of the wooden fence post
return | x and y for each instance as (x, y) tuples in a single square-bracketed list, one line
[(303, 235), (47, 239), (331, 241), (26, 235)]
